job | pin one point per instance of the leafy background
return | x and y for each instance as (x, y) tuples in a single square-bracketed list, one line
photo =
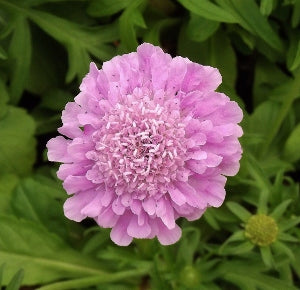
[(45, 50)]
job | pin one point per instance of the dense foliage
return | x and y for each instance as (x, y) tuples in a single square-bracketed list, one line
[(251, 242)]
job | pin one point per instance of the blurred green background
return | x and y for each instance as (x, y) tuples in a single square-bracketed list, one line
[(251, 242)]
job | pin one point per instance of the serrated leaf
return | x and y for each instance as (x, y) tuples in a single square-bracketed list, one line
[(17, 145), (32, 202), (80, 42), (208, 10), (43, 256), (242, 213), (100, 8), (20, 56)]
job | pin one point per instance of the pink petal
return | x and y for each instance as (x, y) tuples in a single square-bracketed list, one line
[(93, 208), (149, 205), (119, 234), (57, 149), (138, 231), (107, 218), (71, 169), (176, 195), (176, 74), (168, 236), (74, 205), (74, 184)]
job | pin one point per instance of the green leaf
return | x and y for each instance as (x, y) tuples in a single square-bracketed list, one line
[(153, 34), (288, 224), (188, 246), (127, 22), (31, 201), (296, 14), (96, 280), (3, 99), (259, 280), (266, 7), (280, 247), (16, 281), (291, 94), (199, 28), (293, 56), (56, 99), (280, 209), (208, 10), (247, 14), (7, 184), (79, 41), (267, 256), (3, 54), (242, 248), (291, 148), (46, 72), (17, 145), (40, 2), (20, 55), (100, 8), (1, 274), (266, 114), (235, 237), (211, 220), (43, 256), (287, 238), (242, 213)]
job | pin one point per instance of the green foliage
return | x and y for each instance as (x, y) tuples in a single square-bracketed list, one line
[(45, 49)]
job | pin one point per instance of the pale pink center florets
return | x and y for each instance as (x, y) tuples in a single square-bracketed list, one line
[(140, 146)]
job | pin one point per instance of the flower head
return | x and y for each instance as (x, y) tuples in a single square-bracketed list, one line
[(148, 140), (261, 230)]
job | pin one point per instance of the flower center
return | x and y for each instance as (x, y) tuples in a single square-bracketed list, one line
[(140, 146), (261, 230)]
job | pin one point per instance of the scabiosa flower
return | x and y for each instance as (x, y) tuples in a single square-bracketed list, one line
[(147, 140)]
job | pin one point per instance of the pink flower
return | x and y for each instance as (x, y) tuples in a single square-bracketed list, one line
[(148, 140)]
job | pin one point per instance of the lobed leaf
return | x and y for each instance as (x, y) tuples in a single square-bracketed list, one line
[(43, 256), (17, 149)]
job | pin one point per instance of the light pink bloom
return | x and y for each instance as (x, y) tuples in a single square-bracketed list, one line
[(147, 140)]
